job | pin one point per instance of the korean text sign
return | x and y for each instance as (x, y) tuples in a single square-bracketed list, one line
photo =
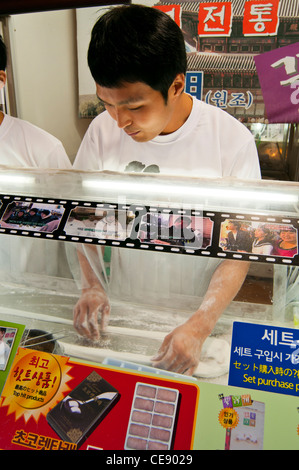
[(260, 18), (265, 358), (278, 73), (215, 19)]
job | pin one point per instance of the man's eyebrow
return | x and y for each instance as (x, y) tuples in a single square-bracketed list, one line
[(132, 100), (101, 101)]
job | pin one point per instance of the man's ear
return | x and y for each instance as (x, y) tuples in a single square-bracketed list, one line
[(2, 76), (178, 84)]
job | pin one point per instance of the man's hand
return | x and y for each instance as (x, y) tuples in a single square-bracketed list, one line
[(92, 302), (180, 350)]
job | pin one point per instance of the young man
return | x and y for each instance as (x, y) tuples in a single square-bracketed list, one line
[(238, 239), (24, 145), (137, 58)]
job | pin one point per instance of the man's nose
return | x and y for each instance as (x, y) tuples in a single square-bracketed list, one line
[(123, 118)]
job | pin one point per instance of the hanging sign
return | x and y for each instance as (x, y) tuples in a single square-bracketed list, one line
[(279, 78)]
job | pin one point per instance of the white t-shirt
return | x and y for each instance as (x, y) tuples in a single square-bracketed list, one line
[(211, 143), (24, 145)]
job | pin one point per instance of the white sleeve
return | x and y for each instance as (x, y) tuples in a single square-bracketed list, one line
[(57, 158), (88, 156), (246, 163)]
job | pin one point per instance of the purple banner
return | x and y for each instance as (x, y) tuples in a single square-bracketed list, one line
[(278, 72)]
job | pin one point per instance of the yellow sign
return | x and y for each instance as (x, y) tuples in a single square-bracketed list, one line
[(36, 383), (228, 418)]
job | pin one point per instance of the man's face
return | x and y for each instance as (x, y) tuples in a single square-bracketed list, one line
[(139, 110)]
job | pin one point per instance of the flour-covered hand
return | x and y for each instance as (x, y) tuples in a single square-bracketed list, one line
[(92, 302), (180, 351)]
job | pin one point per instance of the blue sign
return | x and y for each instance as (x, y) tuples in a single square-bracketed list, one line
[(265, 358), (194, 84)]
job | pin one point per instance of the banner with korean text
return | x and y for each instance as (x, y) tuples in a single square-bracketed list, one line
[(224, 40)]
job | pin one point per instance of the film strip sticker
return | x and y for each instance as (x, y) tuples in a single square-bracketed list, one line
[(142, 227), (259, 238), (32, 217), (249, 237)]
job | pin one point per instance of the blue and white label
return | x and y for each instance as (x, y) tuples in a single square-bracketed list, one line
[(265, 358), (194, 84)]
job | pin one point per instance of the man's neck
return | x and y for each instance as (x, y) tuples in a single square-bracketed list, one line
[(187, 104), (181, 113)]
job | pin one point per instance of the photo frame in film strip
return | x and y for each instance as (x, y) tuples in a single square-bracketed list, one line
[(250, 237)]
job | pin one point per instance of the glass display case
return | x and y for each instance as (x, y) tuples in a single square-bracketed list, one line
[(154, 275)]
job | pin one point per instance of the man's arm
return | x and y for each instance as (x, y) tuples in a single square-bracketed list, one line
[(181, 349), (93, 300)]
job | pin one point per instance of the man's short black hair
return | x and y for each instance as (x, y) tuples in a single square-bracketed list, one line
[(3, 55), (135, 43)]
